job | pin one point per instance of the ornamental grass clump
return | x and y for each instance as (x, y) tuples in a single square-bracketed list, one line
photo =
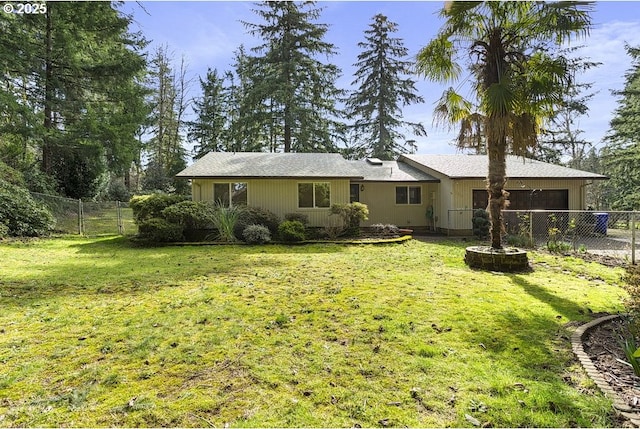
[(225, 220)]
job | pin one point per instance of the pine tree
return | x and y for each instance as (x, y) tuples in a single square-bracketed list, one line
[(621, 155), (295, 89), (75, 84), (384, 90), (209, 130), (251, 125)]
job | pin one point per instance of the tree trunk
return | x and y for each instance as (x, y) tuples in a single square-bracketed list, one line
[(48, 94), (496, 178), (287, 130)]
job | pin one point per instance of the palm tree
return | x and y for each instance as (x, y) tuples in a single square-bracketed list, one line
[(518, 77)]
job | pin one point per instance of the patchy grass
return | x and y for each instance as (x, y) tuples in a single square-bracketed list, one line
[(95, 332)]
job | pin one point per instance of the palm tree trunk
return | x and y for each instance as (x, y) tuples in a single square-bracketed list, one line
[(496, 179)]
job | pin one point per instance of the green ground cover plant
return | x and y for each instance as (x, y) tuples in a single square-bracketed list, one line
[(97, 332)]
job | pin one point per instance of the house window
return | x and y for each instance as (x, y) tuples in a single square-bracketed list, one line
[(314, 195), (354, 195), (409, 195), (230, 194)]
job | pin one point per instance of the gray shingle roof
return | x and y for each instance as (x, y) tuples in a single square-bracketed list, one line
[(460, 166), (270, 165), (391, 171)]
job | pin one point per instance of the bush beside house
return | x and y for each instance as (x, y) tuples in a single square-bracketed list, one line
[(168, 218)]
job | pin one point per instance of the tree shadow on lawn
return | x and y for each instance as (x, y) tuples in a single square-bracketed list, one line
[(536, 340), (535, 334), (539, 356), (564, 307), (115, 266)]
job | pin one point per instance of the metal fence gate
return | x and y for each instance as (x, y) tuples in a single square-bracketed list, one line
[(89, 218)]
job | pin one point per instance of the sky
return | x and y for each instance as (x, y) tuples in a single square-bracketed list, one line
[(206, 34)]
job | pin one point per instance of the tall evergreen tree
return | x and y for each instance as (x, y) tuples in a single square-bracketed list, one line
[(251, 126), (384, 89), (621, 155), (295, 89), (75, 83), (209, 130)]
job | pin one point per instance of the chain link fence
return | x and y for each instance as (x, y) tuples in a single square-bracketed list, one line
[(89, 217), (608, 233)]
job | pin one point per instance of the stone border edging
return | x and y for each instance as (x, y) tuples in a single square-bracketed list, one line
[(576, 342)]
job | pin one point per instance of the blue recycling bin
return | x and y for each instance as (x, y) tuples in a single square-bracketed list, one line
[(602, 219)]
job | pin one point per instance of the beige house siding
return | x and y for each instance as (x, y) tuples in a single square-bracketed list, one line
[(278, 195), (380, 198)]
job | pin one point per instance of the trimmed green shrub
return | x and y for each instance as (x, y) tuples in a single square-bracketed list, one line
[(190, 214), (150, 206), (256, 216), (21, 214), (481, 223), (300, 217), (159, 230), (11, 175), (256, 234), (38, 181), (291, 231), (351, 214)]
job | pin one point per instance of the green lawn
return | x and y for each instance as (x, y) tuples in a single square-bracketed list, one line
[(96, 332)]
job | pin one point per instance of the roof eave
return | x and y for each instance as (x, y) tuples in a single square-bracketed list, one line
[(190, 176), (529, 178), (399, 180)]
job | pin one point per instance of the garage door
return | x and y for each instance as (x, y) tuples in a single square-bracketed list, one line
[(551, 199)]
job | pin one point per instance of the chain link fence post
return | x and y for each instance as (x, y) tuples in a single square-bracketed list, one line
[(80, 218), (119, 216), (633, 238), (531, 242)]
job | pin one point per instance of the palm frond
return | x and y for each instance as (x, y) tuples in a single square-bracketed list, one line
[(435, 61), (451, 108), (499, 99)]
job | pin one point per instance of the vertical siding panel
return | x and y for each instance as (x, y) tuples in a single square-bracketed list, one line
[(380, 198), (281, 195)]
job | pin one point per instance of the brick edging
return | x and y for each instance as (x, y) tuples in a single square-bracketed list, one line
[(578, 349)]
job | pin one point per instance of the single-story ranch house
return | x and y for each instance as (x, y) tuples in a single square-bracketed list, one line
[(416, 191)]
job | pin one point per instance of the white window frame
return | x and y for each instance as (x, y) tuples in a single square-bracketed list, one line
[(408, 189)]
